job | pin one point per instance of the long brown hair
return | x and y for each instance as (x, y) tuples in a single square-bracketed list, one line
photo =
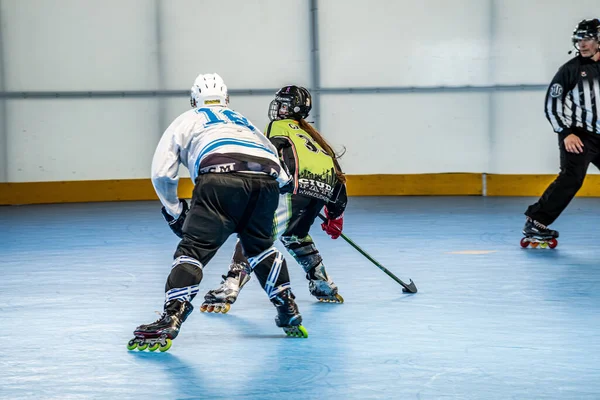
[(308, 128)]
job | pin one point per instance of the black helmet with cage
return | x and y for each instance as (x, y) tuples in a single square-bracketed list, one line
[(290, 102), (586, 29)]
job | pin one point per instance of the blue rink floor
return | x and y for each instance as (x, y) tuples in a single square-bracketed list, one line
[(490, 321)]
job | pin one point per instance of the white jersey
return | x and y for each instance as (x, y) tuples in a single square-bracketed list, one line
[(211, 139)]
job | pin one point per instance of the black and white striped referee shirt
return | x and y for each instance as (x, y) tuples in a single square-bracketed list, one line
[(573, 97)]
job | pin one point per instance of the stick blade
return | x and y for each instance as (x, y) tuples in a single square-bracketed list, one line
[(412, 288)]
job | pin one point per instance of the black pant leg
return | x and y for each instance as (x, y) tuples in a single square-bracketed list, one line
[(304, 211), (213, 217), (257, 238), (296, 238), (573, 169), (256, 234)]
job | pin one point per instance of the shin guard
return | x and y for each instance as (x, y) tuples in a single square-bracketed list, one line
[(271, 271), (184, 280)]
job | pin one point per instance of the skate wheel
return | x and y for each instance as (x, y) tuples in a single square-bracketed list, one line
[(210, 308), (167, 346), (154, 347), (132, 344), (534, 244), (552, 243), (524, 242), (543, 245), (296, 331), (217, 309), (142, 347), (226, 308), (203, 307), (336, 299)]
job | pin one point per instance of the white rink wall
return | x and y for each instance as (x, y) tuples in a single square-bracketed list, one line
[(469, 46)]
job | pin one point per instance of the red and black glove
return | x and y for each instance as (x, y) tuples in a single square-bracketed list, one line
[(333, 227)]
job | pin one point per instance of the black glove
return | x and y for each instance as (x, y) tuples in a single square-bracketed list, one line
[(176, 224)]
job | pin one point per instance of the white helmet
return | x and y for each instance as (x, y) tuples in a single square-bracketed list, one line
[(209, 90)]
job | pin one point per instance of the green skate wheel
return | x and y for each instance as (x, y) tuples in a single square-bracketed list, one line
[(302, 332), (132, 344), (167, 345), (296, 331), (543, 245), (142, 347), (154, 347)]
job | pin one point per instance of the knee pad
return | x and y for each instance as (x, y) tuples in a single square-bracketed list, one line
[(303, 250), (271, 271), (184, 280)]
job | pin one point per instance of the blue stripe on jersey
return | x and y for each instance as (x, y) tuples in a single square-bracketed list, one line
[(229, 141)]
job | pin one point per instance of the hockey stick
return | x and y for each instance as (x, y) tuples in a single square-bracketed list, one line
[(406, 288)]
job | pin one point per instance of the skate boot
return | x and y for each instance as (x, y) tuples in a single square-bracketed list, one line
[(288, 316), (159, 335), (221, 298), (538, 234), (322, 287)]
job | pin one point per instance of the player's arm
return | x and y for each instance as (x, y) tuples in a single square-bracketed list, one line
[(165, 179), (562, 83)]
